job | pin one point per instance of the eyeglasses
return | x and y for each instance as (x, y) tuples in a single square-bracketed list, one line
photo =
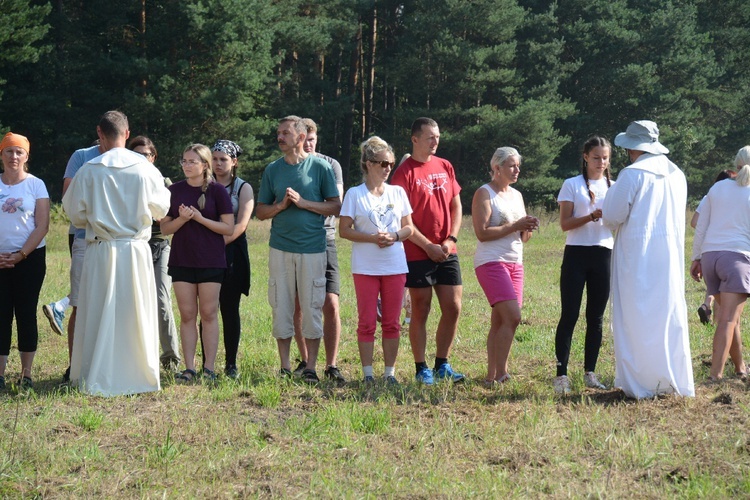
[(383, 163), (192, 163)]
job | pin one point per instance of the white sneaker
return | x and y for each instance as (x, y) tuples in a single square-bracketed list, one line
[(561, 384), (589, 378)]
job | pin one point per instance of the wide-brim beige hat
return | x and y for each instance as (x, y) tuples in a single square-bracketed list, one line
[(641, 135)]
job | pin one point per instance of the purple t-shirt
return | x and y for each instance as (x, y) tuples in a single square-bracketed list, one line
[(194, 245)]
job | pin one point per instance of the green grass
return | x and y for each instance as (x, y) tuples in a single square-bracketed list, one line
[(262, 436)]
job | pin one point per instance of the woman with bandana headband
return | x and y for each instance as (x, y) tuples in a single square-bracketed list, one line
[(224, 155)]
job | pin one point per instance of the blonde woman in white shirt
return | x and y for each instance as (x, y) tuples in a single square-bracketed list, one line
[(376, 217), (586, 261), (721, 255)]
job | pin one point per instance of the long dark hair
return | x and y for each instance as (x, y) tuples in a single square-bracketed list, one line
[(594, 142)]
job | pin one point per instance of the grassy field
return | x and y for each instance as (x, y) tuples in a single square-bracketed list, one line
[(266, 437)]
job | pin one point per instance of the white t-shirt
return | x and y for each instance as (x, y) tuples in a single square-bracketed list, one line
[(591, 234), (372, 214), (18, 203), (724, 222), (508, 248)]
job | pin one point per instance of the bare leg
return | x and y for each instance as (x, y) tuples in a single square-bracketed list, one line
[(284, 346), (71, 332), (331, 328), (421, 299), (365, 352), (187, 302), (27, 359), (506, 317), (313, 345), (449, 298), (731, 309), (298, 338), (208, 302), (390, 351)]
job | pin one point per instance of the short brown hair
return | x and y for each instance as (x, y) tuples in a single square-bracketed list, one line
[(113, 124)]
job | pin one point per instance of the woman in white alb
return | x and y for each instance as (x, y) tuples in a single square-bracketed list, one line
[(376, 217)]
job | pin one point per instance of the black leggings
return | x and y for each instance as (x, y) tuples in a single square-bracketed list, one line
[(19, 296), (581, 266)]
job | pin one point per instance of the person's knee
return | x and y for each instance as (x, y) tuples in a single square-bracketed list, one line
[(331, 305)]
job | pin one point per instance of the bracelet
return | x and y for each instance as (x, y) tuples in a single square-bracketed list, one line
[(398, 238), (452, 238), (23, 254)]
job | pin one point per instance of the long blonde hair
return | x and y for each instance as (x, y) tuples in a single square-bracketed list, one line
[(208, 174), (742, 162)]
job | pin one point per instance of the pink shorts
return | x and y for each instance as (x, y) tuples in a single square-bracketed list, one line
[(501, 281)]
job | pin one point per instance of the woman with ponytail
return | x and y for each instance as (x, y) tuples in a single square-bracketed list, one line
[(200, 216), (586, 261), (721, 255)]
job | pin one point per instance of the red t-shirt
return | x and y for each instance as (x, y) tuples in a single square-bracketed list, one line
[(430, 187)]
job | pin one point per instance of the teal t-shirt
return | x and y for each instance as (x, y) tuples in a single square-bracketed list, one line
[(294, 230)]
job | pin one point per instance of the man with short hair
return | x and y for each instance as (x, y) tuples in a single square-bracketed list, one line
[(331, 317), (297, 192), (114, 197), (646, 207), (430, 183)]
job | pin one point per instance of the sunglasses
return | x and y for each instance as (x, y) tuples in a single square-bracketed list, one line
[(384, 163)]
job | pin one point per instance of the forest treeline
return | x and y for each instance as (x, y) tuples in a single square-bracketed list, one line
[(538, 75)]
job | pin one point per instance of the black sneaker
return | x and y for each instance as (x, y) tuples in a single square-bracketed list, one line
[(302, 366), (310, 377), (232, 372), (66, 376), (26, 383), (332, 373)]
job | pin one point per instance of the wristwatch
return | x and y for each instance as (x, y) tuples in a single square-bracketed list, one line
[(452, 238)]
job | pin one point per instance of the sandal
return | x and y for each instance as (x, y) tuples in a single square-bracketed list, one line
[(186, 376), (209, 375), (704, 313)]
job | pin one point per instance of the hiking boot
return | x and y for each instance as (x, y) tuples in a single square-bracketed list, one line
[(424, 375), (302, 366), (561, 384), (590, 380), (332, 373), (55, 317), (445, 372)]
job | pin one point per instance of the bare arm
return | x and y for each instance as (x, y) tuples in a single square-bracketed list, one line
[(480, 217), (246, 202), (41, 228), (331, 206), (456, 214), (347, 231), (568, 222), (264, 211), (223, 226)]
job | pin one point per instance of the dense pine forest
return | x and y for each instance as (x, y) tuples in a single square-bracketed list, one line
[(541, 76)]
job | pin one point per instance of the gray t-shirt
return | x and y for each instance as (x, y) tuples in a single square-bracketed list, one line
[(330, 223)]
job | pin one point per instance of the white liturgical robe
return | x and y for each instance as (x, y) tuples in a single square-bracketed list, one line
[(646, 207), (116, 342)]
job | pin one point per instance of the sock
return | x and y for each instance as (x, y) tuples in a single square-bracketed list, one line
[(440, 362), (367, 370), (390, 371), (420, 365), (62, 304)]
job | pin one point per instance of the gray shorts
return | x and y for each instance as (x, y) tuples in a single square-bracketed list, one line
[(726, 272), (77, 252), (333, 283)]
